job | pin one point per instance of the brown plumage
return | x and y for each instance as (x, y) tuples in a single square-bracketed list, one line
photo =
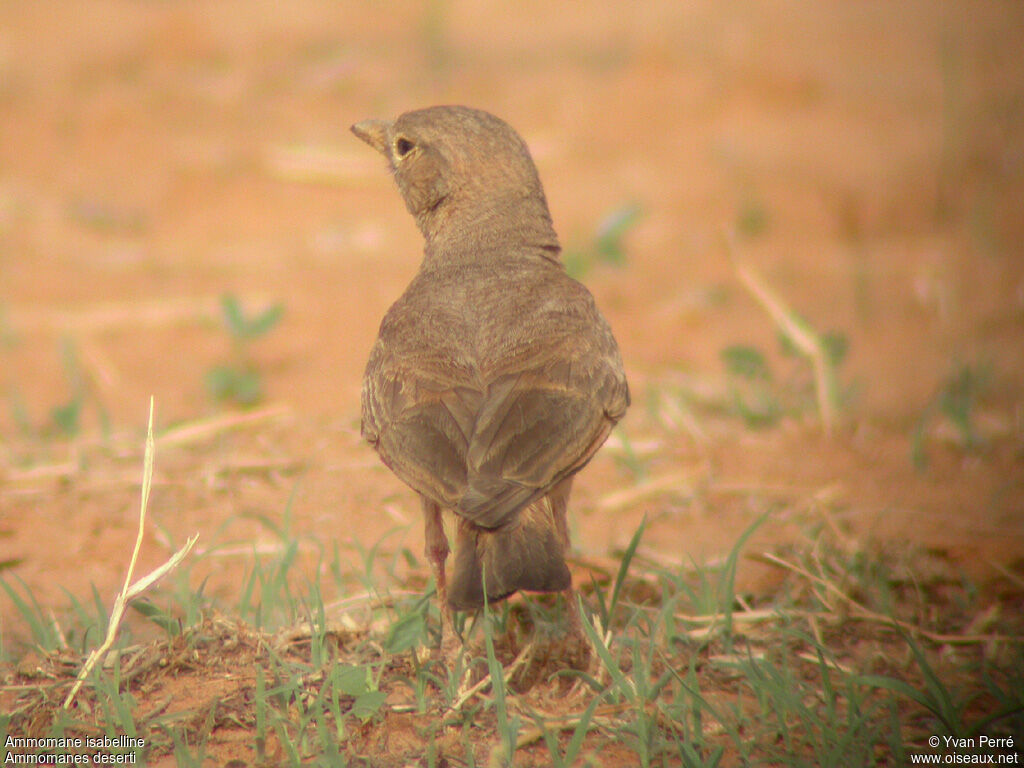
[(494, 378)]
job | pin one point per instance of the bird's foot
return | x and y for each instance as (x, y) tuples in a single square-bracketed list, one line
[(471, 686), (455, 657), (578, 651), (582, 655), (453, 653)]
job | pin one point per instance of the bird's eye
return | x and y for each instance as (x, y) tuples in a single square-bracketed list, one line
[(403, 146)]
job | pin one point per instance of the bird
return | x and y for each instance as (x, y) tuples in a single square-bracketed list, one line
[(494, 377)]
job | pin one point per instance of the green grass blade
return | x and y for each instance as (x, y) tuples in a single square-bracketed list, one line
[(620, 578), (728, 585)]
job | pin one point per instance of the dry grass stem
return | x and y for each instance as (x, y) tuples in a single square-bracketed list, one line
[(805, 339), (130, 591), (679, 483), (137, 315), (510, 670), (205, 429), (370, 600), (1012, 577), (860, 612)]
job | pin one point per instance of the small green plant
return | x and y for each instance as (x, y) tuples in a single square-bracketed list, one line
[(956, 400), (239, 380), (45, 636), (752, 385), (606, 245), (951, 706), (752, 219), (579, 733), (608, 608), (819, 354), (65, 418), (410, 629), (508, 725), (19, 413), (362, 684), (760, 397), (183, 755), (637, 680)]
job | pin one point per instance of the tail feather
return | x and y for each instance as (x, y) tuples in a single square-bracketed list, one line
[(527, 554)]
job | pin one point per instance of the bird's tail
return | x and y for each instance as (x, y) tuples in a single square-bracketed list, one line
[(528, 554)]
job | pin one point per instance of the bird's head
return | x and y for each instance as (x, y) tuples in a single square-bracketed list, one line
[(465, 176)]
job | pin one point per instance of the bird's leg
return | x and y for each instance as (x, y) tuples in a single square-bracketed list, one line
[(577, 645), (437, 553), (574, 622), (579, 652)]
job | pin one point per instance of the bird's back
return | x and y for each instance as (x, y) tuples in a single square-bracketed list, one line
[(490, 381)]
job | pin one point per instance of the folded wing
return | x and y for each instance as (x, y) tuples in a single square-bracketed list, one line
[(487, 450)]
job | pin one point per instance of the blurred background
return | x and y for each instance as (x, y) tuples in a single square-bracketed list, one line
[(184, 213)]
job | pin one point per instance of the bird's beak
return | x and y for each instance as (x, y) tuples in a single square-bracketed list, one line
[(376, 133)]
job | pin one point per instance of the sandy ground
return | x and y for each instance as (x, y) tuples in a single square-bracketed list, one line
[(868, 159)]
